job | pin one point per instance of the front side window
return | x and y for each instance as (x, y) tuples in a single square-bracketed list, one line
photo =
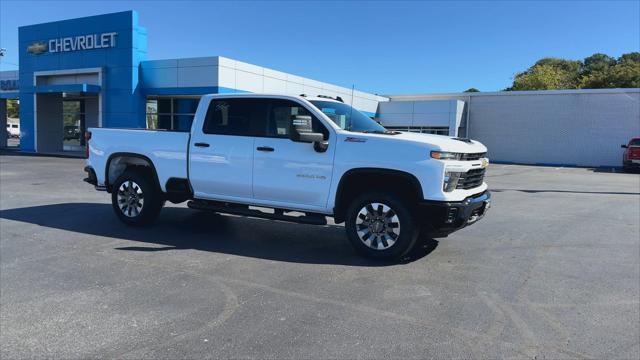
[(281, 112), (348, 118), (234, 116)]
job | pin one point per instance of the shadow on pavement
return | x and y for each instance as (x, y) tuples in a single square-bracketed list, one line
[(183, 228)]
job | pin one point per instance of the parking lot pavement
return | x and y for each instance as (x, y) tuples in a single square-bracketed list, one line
[(553, 271)]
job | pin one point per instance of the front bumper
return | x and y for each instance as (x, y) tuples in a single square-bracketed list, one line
[(441, 218)]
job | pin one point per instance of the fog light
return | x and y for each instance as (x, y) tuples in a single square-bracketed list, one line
[(450, 181), (451, 215)]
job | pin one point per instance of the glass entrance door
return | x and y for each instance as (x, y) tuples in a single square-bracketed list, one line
[(73, 124)]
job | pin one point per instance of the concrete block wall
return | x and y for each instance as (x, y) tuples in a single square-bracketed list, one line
[(559, 127)]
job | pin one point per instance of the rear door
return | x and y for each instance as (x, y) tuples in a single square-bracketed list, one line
[(221, 152), (288, 172)]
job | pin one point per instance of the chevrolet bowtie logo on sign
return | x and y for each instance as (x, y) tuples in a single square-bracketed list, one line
[(37, 48)]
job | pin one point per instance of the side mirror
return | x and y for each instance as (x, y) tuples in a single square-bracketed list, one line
[(623, 146), (302, 130)]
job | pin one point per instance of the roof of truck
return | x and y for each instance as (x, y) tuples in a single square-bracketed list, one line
[(301, 96)]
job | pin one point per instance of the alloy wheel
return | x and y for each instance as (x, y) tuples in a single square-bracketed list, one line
[(378, 226), (130, 198)]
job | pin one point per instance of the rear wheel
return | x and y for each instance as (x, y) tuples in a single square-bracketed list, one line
[(135, 198), (381, 226)]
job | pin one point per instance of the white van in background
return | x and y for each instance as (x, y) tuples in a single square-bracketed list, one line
[(13, 129)]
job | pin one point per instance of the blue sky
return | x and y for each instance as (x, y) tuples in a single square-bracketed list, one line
[(382, 47)]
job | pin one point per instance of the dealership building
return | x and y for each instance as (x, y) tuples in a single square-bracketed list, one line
[(94, 72)]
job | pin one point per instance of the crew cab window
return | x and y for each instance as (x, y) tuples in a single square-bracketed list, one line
[(281, 112), (234, 116)]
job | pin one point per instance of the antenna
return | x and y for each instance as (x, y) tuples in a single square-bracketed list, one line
[(353, 86)]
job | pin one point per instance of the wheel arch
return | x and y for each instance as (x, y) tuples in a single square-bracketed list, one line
[(359, 180), (119, 162)]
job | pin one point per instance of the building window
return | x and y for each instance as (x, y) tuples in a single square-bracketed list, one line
[(171, 113), (436, 130)]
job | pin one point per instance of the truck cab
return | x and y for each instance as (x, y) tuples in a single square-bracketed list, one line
[(297, 154)]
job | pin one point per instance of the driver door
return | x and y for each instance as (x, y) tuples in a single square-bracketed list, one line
[(291, 173)]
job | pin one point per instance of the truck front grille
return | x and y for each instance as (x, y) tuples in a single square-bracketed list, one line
[(473, 156), (471, 179)]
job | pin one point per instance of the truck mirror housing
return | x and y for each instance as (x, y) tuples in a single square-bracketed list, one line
[(623, 146), (302, 130)]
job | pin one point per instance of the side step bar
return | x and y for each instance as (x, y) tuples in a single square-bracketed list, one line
[(244, 210)]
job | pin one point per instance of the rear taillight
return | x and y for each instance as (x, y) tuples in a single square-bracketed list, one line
[(87, 137)]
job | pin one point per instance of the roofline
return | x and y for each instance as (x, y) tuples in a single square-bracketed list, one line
[(516, 93)]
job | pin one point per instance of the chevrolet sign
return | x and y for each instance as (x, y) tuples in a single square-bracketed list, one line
[(37, 48), (75, 43)]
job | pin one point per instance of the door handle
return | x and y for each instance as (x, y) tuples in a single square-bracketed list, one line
[(264, 148), (199, 144)]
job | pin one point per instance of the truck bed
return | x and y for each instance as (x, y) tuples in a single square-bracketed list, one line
[(166, 149)]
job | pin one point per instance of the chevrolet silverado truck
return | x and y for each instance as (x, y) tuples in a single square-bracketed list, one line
[(300, 159)]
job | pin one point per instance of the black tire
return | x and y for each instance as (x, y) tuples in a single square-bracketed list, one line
[(380, 244), (131, 187)]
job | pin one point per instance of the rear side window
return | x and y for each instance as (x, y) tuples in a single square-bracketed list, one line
[(234, 116)]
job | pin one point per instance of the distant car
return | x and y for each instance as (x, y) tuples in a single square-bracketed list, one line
[(71, 132), (631, 156), (14, 130)]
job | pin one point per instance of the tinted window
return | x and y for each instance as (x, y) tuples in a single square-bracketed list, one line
[(281, 112), (234, 116), (634, 142)]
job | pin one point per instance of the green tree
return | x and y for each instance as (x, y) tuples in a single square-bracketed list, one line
[(549, 74), (472, 90), (597, 62), (629, 57), (13, 108), (595, 72)]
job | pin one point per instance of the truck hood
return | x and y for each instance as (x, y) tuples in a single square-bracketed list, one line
[(440, 142)]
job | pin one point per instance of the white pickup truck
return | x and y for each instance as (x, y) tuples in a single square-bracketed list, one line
[(300, 159)]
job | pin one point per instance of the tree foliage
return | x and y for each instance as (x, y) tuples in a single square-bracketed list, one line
[(594, 72), (13, 108), (472, 90)]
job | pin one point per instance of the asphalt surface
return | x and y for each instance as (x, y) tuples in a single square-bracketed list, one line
[(553, 271)]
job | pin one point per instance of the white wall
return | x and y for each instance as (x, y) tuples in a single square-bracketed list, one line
[(570, 127), (238, 75)]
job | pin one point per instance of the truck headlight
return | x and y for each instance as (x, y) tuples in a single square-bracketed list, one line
[(443, 155), (450, 181)]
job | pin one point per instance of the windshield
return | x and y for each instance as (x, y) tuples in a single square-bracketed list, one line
[(348, 118)]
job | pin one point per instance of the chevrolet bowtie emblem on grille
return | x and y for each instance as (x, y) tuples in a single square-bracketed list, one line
[(37, 48), (485, 162)]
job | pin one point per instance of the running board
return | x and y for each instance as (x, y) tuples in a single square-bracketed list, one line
[(244, 210)]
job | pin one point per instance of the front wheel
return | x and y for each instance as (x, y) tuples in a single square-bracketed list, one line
[(135, 198), (381, 226)]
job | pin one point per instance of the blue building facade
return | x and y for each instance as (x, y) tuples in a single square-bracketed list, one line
[(94, 72), (97, 55)]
